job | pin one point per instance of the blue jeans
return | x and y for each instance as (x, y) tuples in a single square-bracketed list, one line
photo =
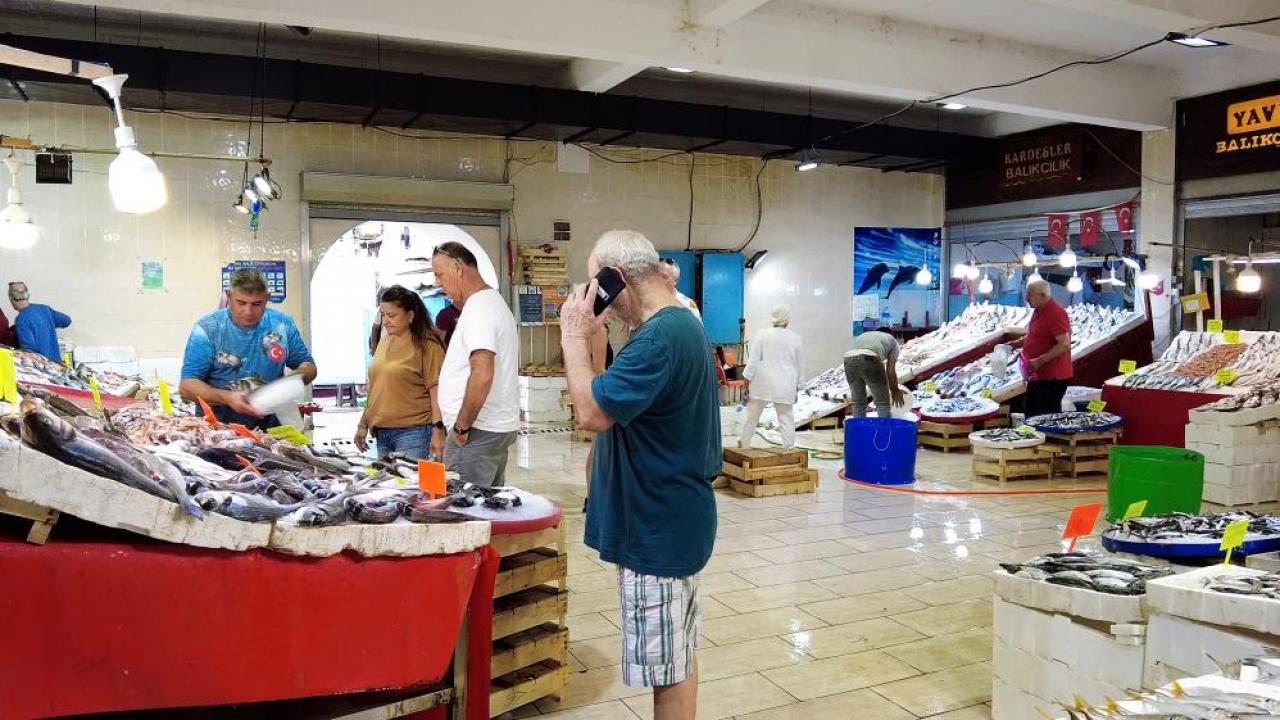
[(412, 442)]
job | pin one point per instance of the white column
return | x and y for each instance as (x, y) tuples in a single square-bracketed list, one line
[(1158, 222)]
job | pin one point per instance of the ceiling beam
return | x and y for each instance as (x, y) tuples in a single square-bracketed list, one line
[(599, 75), (788, 42), (1163, 16), (720, 13)]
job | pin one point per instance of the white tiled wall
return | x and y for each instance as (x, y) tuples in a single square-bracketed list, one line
[(88, 261)]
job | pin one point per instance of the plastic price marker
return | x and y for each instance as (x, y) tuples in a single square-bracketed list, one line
[(1233, 537), (1231, 336), (244, 432), (1081, 522), (1135, 510), (1127, 367), (431, 479), (8, 378), (248, 465), (66, 360), (93, 388), (1214, 326), (929, 387), (986, 393), (1225, 376), (209, 416), (166, 402), (1096, 405), (289, 434)]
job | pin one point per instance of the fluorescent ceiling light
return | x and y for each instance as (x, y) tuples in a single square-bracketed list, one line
[(681, 70), (1194, 41), (806, 165), (953, 106)]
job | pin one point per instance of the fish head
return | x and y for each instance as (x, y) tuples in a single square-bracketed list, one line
[(39, 425)]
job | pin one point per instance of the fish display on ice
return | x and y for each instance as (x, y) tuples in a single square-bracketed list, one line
[(1090, 571), (1180, 526), (1074, 422), (1192, 360), (1266, 586)]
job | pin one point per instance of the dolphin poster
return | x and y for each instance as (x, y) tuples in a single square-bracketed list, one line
[(886, 264)]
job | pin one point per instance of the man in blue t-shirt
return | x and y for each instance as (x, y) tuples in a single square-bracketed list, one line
[(652, 510), (36, 326), (233, 351)]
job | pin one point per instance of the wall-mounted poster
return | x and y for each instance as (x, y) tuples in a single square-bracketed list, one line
[(886, 264)]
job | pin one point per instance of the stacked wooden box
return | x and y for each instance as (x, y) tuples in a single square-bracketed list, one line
[(1006, 464), (764, 472), (544, 263), (1082, 455), (948, 436), (1241, 454), (530, 636)]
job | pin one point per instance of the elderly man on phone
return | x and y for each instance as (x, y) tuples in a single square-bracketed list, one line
[(652, 511)]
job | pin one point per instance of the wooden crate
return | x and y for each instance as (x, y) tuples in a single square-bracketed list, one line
[(529, 569), (722, 482), (766, 476), (517, 689), (947, 436), (1012, 464), (762, 489), (1082, 455), (42, 518), (580, 435), (535, 645), (528, 609), (757, 458)]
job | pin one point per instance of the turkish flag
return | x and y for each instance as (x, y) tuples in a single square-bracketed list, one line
[(1057, 232), (1089, 228), (1124, 217)]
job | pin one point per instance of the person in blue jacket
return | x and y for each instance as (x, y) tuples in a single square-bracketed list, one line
[(36, 326)]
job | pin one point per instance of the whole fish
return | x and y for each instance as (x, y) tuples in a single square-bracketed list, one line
[(297, 454), (375, 510), (57, 438), (243, 506), (157, 469), (55, 402), (422, 510), (320, 512)]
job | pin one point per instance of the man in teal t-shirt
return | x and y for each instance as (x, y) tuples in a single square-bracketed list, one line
[(652, 510)]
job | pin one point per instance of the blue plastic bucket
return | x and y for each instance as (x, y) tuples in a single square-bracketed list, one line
[(880, 450)]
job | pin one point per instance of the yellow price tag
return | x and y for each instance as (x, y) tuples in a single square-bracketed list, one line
[(1135, 510), (166, 402), (986, 392), (1225, 376), (1214, 326), (93, 388), (1096, 406), (8, 377), (1233, 537), (1231, 336), (66, 360), (1128, 366), (929, 387), (289, 434)]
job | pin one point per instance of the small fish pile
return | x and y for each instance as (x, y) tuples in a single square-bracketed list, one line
[(1007, 435), (1260, 364), (1247, 688), (959, 407), (1090, 323), (35, 368), (1267, 586), (1192, 360), (1255, 397), (1178, 526), (1210, 361), (1073, 422), (1106, 574)]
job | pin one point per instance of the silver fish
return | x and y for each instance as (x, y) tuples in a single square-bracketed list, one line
[(243, 506)]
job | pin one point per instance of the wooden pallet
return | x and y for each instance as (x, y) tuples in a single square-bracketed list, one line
[(42, 518), (545, 642), (722, 482), (529, 569), (946, 436), (528, 609), (1012, 464), (519, 688), (1082, 455), (757, 458), (761, 489)]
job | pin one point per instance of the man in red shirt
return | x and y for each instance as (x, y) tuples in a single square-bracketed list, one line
[(1046, 352)]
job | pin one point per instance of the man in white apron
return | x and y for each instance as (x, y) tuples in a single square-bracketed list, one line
[(773, 371)]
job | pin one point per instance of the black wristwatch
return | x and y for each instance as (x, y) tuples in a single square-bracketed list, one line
[(438, 425), (460, 431)]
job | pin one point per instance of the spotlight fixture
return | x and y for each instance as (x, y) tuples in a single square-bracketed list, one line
[(985, 287), (1075, 284), (266, 187), (16, 230), (240, 206), (924, 277), (806, 165), (1112, 279), (136, 184), (1193, 41), (1068, 258), (1029, 257), (681, 70), (952, 106)]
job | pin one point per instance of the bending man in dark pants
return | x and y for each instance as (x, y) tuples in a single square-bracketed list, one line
[(1046, 352), (872, 365)]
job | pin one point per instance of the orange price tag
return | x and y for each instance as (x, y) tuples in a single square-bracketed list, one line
[(431, 479), (248, 465), (209, 417), (1081, 522)]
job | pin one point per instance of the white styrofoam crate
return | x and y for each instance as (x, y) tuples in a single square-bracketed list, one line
[(1184, 595), (1237, 454), (1267, 562), (1241, 435), (546, 416), (1218, 474), (1050, 679), (1246, 416), (1088, 651), (1185, 647), (1244, 493), (1079, 602), (1010, 703)]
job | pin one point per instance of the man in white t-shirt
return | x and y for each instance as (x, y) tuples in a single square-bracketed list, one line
[(671, 271), (478, 381)]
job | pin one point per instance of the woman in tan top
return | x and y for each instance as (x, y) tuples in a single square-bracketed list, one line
[(403, 410)]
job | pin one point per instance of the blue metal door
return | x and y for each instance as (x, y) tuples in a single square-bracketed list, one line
[(722, 296)]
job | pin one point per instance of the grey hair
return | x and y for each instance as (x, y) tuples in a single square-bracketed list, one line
[(248, 281), (629, 251), (1040, 285)]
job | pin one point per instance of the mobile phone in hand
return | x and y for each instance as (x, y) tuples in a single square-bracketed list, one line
[(610, 284)]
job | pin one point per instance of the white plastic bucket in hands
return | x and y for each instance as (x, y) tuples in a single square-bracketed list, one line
[(280, 393), (902, 413)]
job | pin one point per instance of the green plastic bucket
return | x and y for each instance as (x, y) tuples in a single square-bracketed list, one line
[(1169, 479)]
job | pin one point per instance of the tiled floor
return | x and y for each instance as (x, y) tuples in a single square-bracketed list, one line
[(849, 602)]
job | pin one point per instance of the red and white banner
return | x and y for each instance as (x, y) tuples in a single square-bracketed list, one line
[(1089, 228), (1124, 217), (1057, 232)]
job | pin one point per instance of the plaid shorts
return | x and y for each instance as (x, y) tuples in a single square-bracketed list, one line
[(660, 625)]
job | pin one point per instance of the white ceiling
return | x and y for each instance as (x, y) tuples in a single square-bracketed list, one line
[(859, 57)]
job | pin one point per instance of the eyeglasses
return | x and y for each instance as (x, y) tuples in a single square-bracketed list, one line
[(667, 260)]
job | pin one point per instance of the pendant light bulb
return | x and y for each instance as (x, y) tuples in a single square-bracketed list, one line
[(1029, 257), (924, 277), (960, 271), (137, 186), (16, 230), (985, 287), (250, 194), (1068, 258), (1249, 281), (1075, 284)]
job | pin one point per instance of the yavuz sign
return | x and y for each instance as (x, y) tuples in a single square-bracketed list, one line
[(1229, 133)]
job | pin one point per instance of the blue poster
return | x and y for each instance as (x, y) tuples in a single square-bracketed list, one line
[(272, 271), (887, 265)]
